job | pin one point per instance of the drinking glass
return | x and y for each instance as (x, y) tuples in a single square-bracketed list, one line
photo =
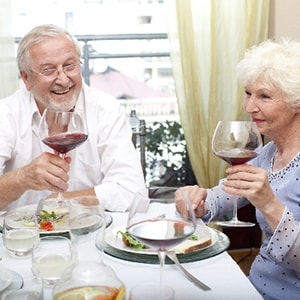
[(63, 131), (160, 226), (20, 233), (51, 257), (86, 221), (236, 142)]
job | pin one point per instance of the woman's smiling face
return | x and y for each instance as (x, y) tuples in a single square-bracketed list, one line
[(267, 108)]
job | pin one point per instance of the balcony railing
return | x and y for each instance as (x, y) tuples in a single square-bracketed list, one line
[(87, 55)]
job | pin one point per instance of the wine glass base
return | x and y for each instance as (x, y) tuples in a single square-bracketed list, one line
[(56, 203), (234, 223)]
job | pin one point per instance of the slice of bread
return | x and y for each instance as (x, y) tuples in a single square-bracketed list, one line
[(189, 246)]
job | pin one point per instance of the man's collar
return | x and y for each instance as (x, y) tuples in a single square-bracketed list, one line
[(35, 114)]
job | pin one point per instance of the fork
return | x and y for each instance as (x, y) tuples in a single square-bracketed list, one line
[(172, 255)]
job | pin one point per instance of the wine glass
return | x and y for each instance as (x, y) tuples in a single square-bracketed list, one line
[(160, 226), (236, 142), (63, 131)]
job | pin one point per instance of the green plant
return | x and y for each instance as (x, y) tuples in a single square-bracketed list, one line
[(166, 153)]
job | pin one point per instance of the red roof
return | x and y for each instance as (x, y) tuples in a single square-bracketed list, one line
[(122, 86)]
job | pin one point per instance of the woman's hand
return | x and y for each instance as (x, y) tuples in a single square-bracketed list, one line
[(197, 196), (249, 182), (252, 183)]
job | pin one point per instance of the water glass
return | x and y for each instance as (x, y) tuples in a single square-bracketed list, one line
[(20, 233), (86, 223), (51, 258)]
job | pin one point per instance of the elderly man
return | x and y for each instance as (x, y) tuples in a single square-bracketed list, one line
[(106, 165)]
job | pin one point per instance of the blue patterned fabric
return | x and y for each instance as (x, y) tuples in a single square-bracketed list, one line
[(276, 270)]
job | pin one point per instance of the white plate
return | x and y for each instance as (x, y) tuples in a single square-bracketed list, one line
[(59, 227), (114, 239), (5, 280), (9, 280)]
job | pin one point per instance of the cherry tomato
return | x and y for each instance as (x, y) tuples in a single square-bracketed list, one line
[(46, 225)]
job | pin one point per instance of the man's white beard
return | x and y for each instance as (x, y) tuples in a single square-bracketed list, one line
[(64, 106)]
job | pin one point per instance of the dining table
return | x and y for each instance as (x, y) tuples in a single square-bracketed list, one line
[(216, 269)]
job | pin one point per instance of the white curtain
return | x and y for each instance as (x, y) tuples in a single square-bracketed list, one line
[(8, 65), (207, 39)]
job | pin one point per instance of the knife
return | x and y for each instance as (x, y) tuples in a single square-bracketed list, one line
[(172, 255), (39, 209)]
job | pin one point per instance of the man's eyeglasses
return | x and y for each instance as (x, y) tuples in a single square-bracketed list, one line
[(71, 69)]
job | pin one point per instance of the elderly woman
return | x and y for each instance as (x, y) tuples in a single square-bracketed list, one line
[(270, 74)]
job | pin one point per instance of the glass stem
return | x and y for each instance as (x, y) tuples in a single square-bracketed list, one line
[(162, 257), (234, 213), (234, 216), (60, 198)]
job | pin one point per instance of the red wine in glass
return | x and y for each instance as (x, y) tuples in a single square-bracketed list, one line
[(160, 226), (236, 142), (64, 142), (236, 156), (63, 131)]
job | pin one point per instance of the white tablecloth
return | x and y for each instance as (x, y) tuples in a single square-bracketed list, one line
[(221, 273)]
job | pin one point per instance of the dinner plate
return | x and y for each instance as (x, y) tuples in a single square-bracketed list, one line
[(113, 238), (60, 227), (222, 243)]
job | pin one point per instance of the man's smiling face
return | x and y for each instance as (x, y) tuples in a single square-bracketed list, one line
[(61, 90)]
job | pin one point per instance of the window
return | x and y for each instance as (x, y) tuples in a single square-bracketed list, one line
[(125, 50), (138, 69)]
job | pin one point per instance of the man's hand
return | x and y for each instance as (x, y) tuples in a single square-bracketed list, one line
[(47, 172)]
